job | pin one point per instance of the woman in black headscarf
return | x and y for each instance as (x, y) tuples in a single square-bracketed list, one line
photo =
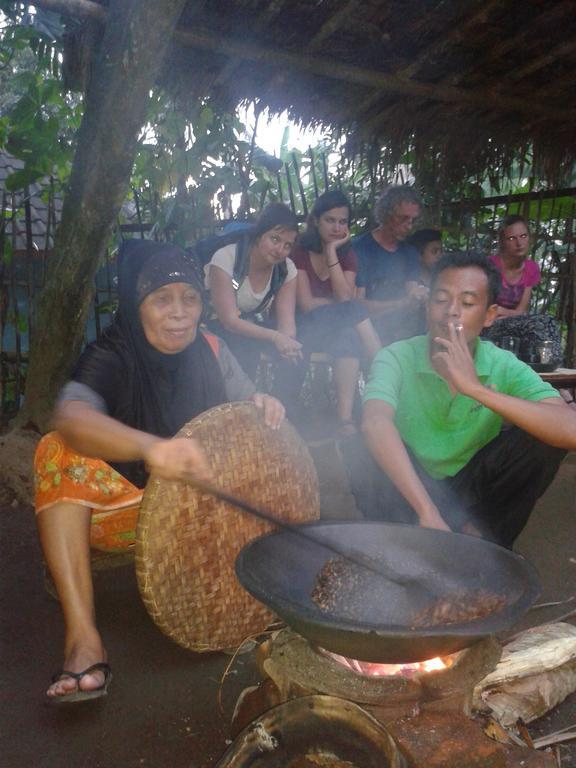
[(151, 373)]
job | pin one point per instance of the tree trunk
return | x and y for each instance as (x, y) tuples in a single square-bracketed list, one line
[(136, 37)]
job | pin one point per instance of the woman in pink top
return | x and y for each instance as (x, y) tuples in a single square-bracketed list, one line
[(519, 274)]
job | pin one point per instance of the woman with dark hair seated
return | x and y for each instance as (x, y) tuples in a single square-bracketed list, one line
[(331, 320), (252, 284), (151, 372)]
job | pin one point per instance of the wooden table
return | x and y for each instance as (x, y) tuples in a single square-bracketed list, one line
[(561, 378)]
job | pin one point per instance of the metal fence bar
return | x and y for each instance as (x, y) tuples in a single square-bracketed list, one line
[(325, 172), (290, 189), (279, 185), (313, 171), (29, 264), (297, 171), (14, 301), (570, 316)]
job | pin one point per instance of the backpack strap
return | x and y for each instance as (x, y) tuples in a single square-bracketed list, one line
[(240, 273), (241, 259), (213, 341)]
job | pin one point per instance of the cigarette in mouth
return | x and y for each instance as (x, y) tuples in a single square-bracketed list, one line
[(459, 327)]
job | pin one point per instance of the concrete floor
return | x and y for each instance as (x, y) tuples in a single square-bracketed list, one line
[(162, 709)]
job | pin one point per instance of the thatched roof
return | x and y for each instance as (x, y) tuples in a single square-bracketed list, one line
[(468, 82)]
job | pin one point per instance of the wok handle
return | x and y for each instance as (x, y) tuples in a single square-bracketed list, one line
[(380, 568)]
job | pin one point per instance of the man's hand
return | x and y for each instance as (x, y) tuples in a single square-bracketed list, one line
[(417, 294), (180, 458), (389, 452), (432, 518), (453, 361), (272, 408)]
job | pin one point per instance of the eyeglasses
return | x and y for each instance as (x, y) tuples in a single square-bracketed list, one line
[(405, 219), (516, 238)]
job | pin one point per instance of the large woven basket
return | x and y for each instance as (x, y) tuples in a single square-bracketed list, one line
[(187, 541)]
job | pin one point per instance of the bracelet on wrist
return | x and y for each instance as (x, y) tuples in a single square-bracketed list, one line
[(333, 265)]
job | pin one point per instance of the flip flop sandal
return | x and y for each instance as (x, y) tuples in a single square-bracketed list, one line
[(79, 694)]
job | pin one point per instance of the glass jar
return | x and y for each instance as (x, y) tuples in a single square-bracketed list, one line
[(545, 352)]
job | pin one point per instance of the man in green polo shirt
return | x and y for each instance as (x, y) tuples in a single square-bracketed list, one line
[(464, 435)]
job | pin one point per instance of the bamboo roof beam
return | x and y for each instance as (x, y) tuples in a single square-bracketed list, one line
[(270, 12), (558, 88), (198, 7), (351, 73), (456, 34), (499, 50), (262, 21), (370, 100), (555, 12), (332, 24), (543, 61), (336, 70)]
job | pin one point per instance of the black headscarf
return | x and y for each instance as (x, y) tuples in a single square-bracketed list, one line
[(143, 388)]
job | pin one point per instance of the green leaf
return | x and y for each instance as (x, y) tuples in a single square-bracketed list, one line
[(50, 92), (23, 81), (20, 179), (205, 119), (7, 259)]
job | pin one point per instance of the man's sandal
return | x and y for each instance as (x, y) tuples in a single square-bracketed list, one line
[(79, 694)]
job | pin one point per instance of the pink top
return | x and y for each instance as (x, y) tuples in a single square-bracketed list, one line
[(321, 289), (510, 293)]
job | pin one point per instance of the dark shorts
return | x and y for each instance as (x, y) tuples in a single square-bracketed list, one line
[(331, 329)]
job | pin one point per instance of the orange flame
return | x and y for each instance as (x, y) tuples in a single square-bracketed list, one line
[(373, 669)]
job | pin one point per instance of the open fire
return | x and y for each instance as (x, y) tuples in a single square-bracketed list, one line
[(373, 669)]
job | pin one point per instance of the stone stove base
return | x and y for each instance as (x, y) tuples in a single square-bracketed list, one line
[(427, 715)]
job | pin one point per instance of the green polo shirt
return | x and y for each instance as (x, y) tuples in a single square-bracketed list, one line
[(444, 431)]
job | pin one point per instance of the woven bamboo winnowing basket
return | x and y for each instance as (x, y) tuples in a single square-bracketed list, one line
[(187, 541)]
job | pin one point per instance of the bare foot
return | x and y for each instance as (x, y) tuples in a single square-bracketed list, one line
[(78, 659)]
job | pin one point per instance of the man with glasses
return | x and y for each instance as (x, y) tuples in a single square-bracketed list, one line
[(388, 267)]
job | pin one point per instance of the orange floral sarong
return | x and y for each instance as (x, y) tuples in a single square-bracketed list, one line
[(61, 474)]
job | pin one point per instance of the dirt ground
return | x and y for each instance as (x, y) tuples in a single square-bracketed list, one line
[(163, 704)]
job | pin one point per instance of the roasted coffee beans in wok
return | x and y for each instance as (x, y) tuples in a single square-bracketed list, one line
[(343, 588)]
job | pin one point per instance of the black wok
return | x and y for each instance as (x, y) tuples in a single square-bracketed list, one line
[(280, 570)]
